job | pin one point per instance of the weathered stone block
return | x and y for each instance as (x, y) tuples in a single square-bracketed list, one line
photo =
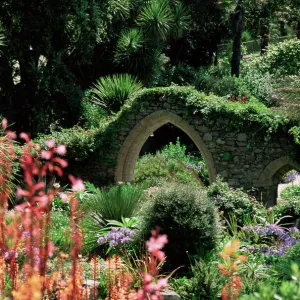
[(220, 142), (242, 137), (207, 137)]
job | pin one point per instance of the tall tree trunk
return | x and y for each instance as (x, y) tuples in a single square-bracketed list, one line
[(298, 30), (264, 29), (237, 29), (283, 30)]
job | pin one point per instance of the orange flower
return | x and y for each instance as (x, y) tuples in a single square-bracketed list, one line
[(231, 247)]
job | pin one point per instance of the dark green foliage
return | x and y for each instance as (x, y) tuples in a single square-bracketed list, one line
[(47, 43), (187, 217), (231, 201), (111, 92), (207, 281), (156, 19)]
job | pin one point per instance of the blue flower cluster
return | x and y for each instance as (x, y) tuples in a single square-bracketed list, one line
[(117, 236), (282, 239)]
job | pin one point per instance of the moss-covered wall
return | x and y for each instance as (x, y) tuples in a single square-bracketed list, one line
[(242, 138)]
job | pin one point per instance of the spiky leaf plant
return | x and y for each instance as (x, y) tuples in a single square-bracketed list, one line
[(130, 48), (111, 92), (156, 19), (182, 20), (102, 207)]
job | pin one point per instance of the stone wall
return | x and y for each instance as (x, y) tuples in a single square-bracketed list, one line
[(239, 157)]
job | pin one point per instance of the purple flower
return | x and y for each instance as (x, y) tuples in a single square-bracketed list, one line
[(219, 196), (199, 167), (10, 254), (190, 166), (291, 177), (117, 236)]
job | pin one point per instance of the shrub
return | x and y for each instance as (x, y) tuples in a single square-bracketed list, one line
[(258, 84), (281, 59), (290, 192), (186, 216), (92, 114), (152, 170), (232, 201), (103, 206), (111, 92)]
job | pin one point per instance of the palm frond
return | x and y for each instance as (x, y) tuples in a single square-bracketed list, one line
[(156, 19), (182, 20), (111, 92), (130, 48)]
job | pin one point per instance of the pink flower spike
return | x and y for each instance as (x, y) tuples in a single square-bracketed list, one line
[(50, 144), (77, 184), (21, 193), (157, 243), (25, 137), (61, 150), (46, 154), (4, 123), (11, 135), (162, 282), (64, 197)]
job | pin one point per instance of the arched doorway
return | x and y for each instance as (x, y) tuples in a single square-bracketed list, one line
[(134, 142), (271, 177)]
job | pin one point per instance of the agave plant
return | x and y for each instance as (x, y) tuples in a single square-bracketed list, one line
[(156, 19), (105, 208), (111, 92)]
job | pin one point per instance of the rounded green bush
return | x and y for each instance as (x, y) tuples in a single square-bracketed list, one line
[(188, 218)]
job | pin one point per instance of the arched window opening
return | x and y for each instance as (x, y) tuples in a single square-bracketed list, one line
[(289, 185), (170, 154)]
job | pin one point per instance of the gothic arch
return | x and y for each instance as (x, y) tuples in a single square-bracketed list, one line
[(267, 184), (132, 145), (270, 175)]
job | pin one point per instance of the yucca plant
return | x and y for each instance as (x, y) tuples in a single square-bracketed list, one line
[(1, 39), (130, 49), (182, 20), (111, 92), (101, 207), (156, 19)]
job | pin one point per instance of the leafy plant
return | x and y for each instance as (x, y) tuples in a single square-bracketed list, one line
[(206, 281), (233, 201), (111, 92), (130, 48), (101, 207), (287, 290), (156, 19), (186, 216)]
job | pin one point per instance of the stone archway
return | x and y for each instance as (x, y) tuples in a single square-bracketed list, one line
[(132, 145), (269, 178)]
